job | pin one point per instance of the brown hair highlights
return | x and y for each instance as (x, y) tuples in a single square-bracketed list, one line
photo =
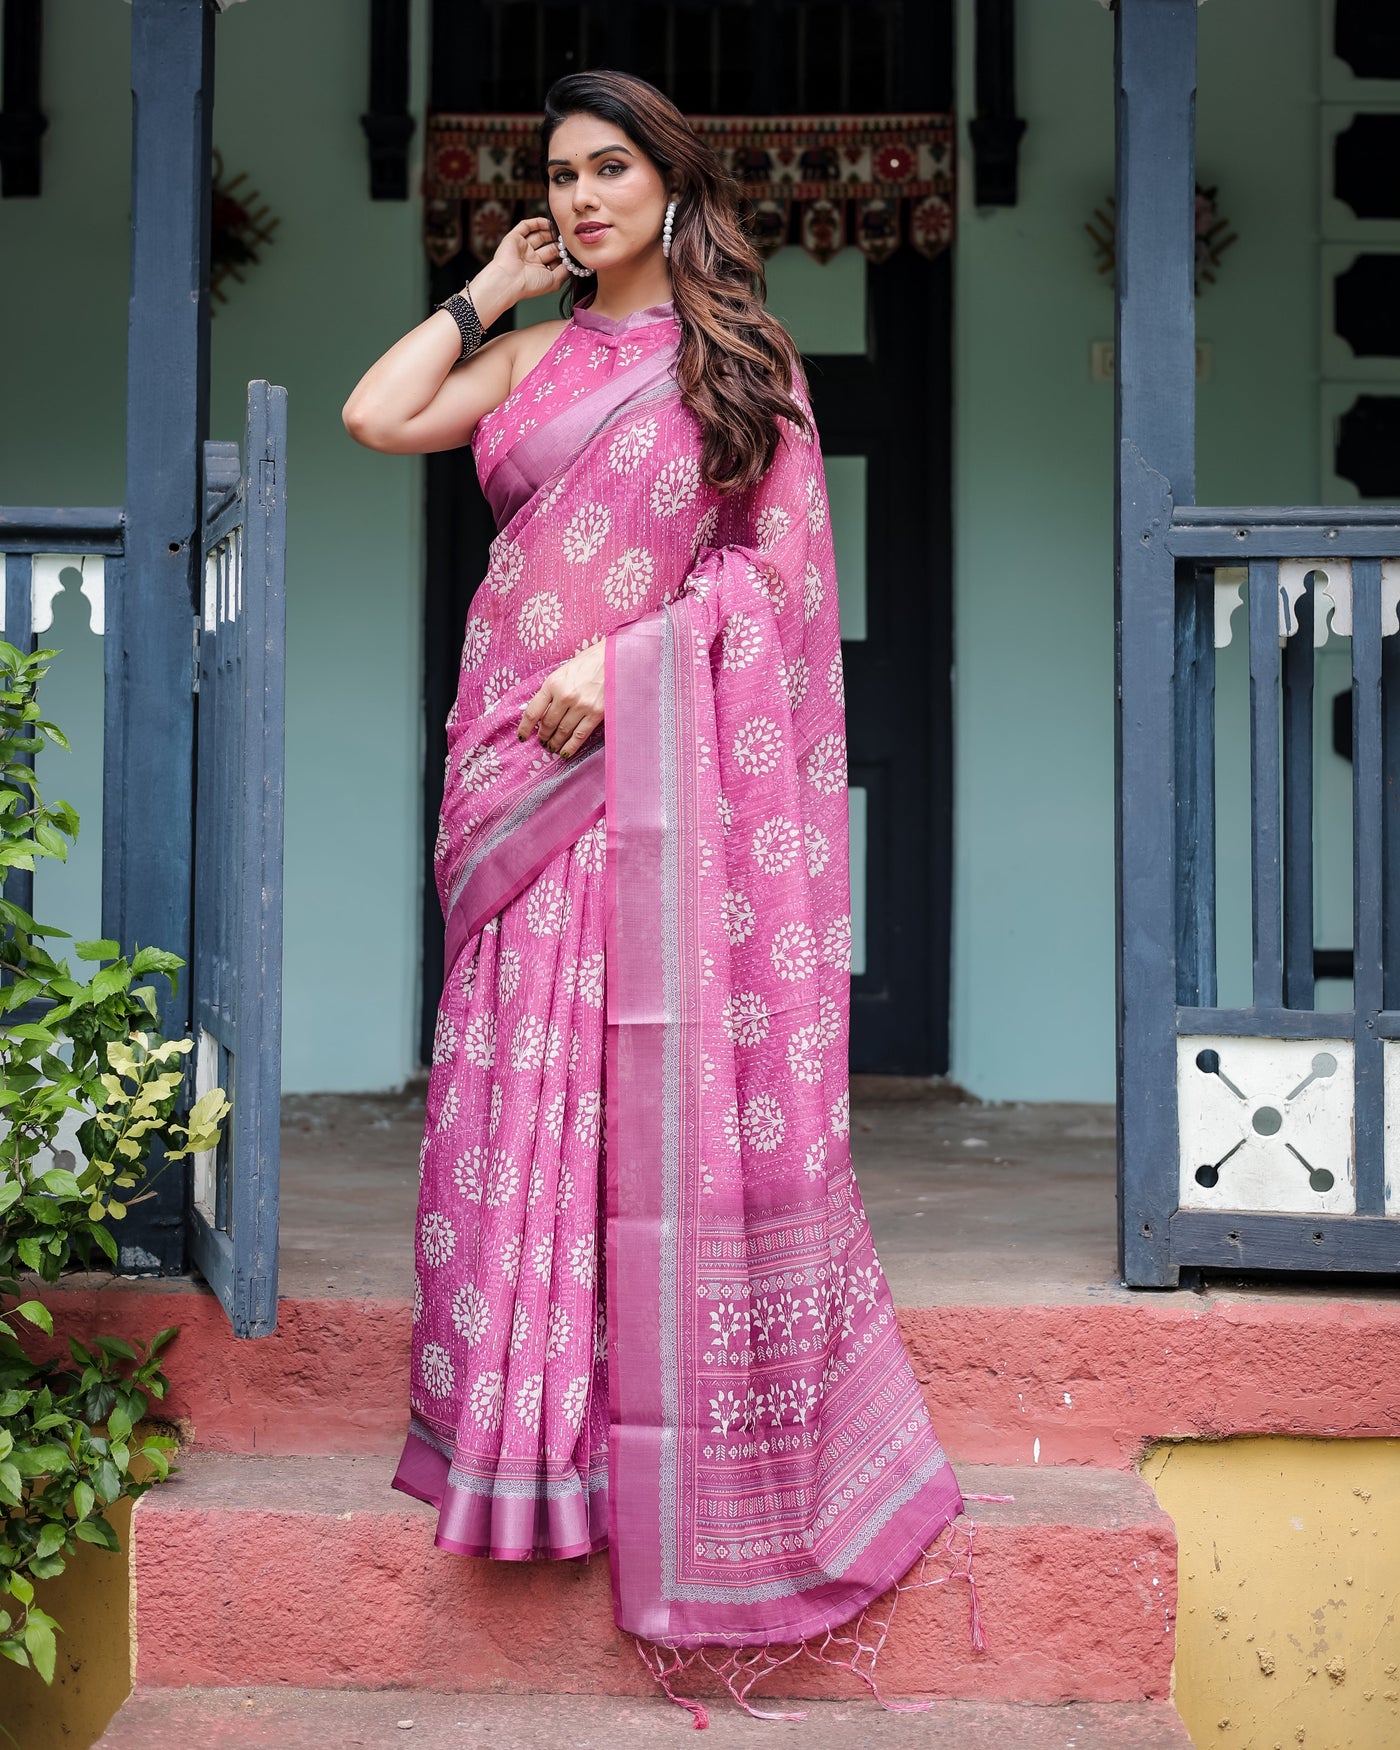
[(735, 368)]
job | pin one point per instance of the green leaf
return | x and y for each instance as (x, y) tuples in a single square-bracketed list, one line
[(102, 949), (154, 960), (37, 1314), (106, 1241), (107, 1481), (20, 1588), (118, 1424), (83, 1499), (49, 840), (110, 980), (33, 1461), (10, 1484), (51, 1537), (61, 1182), (39, 1643), (97, 1531), (30, 1254)]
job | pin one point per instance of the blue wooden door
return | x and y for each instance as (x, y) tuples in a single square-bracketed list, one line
[(236, 966)]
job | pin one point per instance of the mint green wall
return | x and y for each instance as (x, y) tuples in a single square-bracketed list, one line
[(344, 278), (1033, 990)]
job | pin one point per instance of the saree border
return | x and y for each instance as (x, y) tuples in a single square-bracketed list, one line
[(521, 843), (650, 707)]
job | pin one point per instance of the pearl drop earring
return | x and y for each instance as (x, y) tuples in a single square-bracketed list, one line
[(666, 228), (569, 262)]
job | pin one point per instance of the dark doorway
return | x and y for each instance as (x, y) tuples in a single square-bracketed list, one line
[(887, 403)]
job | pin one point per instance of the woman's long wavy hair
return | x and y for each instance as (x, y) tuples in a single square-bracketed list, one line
[(735, 369)]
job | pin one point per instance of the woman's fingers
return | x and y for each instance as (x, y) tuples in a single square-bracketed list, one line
[(580, 733), (569, 705), (564, 728), (536, 709), (554, 712)]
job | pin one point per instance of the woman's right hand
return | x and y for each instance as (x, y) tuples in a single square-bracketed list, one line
[(528, 258)]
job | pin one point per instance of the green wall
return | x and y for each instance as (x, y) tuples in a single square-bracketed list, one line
[(1033, 897), (343, 278), (1033, 989)]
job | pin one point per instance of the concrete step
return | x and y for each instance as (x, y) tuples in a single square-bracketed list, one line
[(1063, 1383), (310, 1719), (311, 1572)]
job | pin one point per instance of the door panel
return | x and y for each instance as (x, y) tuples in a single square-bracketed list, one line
[(880, 390)]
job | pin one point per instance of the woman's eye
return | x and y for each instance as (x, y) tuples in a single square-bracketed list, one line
[(613, 166)]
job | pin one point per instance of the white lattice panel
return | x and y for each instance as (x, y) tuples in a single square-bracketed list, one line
[(1266, 1124)]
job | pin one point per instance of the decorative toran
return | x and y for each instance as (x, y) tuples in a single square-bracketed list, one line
[(821, 181)]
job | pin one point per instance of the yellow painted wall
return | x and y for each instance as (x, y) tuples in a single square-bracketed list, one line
[(1289, 1588), (92, 1675)]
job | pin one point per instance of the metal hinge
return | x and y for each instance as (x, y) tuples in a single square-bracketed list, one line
[(194, 634)]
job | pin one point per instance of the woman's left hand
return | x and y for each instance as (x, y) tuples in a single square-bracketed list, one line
[(569, 706)]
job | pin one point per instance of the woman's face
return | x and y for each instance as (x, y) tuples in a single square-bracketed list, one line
[(605, 195)]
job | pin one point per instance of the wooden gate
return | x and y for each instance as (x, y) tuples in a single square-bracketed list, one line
[(237, 962)]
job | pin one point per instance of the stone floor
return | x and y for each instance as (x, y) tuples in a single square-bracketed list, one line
[(970, 1203), (261, 1719)]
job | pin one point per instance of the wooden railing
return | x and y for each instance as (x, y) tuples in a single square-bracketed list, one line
[(1281, 1108), (1261, 1134), (27, 534)]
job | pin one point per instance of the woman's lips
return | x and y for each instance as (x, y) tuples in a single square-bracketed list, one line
[(591, 233)]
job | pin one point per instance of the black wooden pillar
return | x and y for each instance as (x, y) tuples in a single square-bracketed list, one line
[(148, 784), (1154, 430)]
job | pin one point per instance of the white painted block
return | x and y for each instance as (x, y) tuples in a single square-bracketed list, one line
[(1390, 1058), (1266, 1124)]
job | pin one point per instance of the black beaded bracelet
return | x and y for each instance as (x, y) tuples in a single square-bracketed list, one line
[(463, 312)]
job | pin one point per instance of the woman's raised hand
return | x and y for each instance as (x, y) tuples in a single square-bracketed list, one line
[(530, 256), (569, 705)]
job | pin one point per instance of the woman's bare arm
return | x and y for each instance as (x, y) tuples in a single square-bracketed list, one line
[(418, 397)]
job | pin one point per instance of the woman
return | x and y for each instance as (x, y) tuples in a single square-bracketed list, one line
[(648, 1315)]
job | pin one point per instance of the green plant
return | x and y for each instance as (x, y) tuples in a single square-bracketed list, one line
[(69, 1449)]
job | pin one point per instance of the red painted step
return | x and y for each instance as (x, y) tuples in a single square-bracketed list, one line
[(311, 1572), (311, 1719), (1079, 1382)]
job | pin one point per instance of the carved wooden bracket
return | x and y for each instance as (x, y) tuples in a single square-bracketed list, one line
[(996, 129), (22, 122), (388, 124)]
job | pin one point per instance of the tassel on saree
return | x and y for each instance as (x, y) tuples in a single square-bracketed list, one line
[(740, 1669)]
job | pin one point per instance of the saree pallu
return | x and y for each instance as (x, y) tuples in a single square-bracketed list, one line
[(649, 1314)]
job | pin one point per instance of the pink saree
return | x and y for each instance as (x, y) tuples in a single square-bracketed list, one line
[(649, 1315)]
